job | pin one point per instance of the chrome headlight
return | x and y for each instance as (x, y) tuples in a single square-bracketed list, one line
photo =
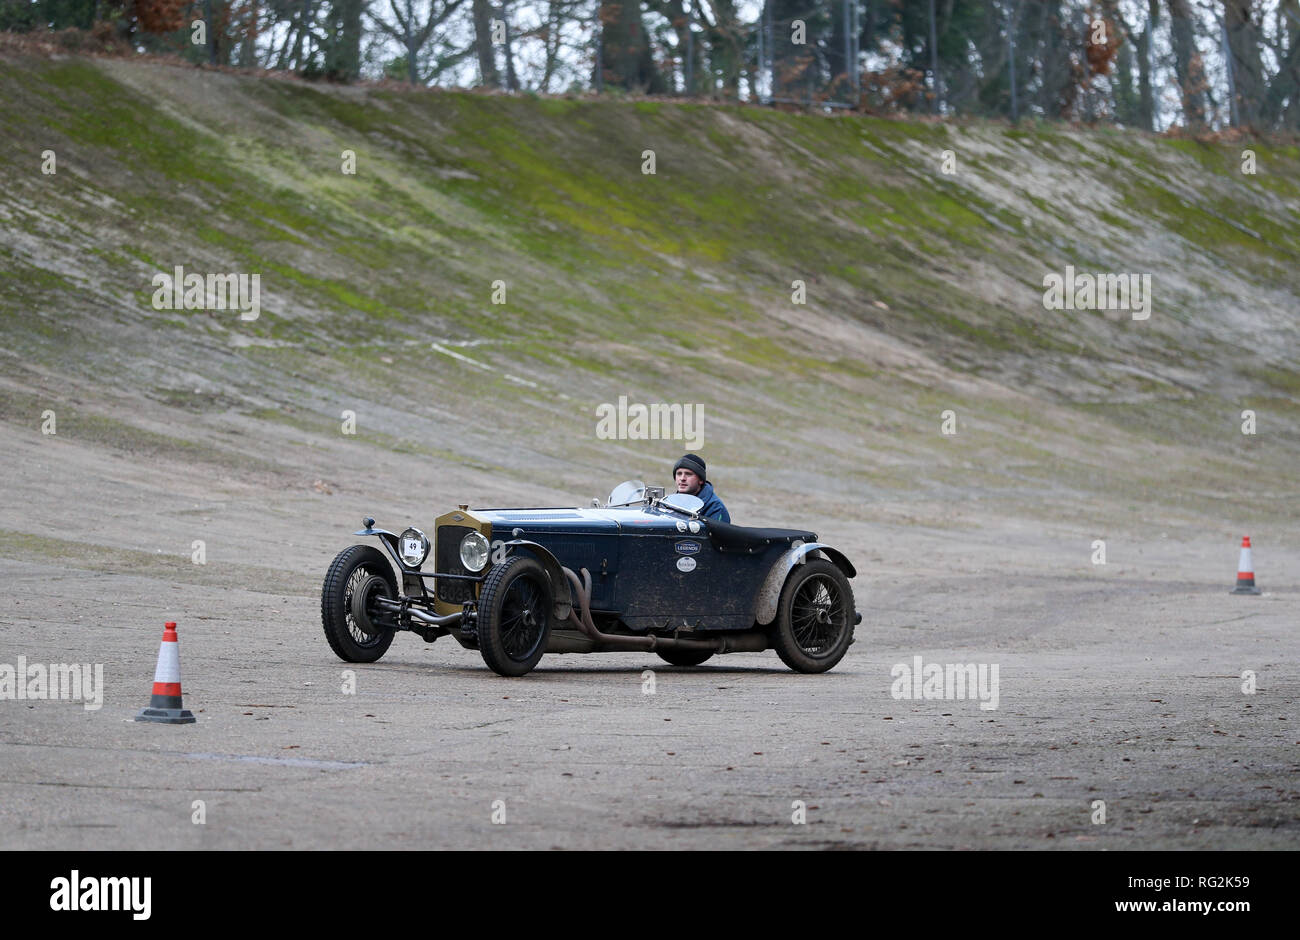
[(474, 550), (413, 547)]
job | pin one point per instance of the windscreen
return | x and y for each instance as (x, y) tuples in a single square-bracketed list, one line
[(627, 492)]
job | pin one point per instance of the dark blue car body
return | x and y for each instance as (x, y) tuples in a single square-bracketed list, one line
[(647, 576)]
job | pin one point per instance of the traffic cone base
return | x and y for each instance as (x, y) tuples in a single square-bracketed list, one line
[(167, 716), (1245, 571), (166, 706)]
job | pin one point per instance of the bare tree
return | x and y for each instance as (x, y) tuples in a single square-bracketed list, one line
[(409, 30)]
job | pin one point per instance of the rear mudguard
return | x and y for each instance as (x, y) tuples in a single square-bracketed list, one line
[(770, 593)]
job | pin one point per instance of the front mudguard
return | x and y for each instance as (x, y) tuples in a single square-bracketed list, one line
[(559, 585), (387, 539)]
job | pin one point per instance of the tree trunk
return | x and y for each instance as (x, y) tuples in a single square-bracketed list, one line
[(1187, 64), (343, 37), (675, 12), (1285, 86), (551, 44), (487, 60), (1146, 110), (795, 70), (512, 80), (1247, 69), (304, 19), (625, 48), (350, 52), (248, 45), (1126, 105), (726, 46), (933, 44), (1287, 81), (412, 43), (837, 52), (212, 31), (1051, 60)]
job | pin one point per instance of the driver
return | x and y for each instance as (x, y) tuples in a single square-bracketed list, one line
[(689, 472)]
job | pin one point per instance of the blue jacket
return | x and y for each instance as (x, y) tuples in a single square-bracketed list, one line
[(713, 508)]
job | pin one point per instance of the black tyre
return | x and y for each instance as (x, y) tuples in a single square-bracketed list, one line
[(814, 617), (684, 657), (514, 615), (364, 569)]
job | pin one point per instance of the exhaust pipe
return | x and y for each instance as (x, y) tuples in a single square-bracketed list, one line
[(748, 642), (433, 620)]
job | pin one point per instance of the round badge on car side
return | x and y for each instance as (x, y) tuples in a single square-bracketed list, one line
[(686, 563)]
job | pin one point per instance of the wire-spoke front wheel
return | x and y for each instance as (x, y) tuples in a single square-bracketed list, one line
[(357, 577), (514, 615), (814, 623)]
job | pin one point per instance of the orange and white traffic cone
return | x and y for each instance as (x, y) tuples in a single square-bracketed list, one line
[(165, 706), (1245, 571)]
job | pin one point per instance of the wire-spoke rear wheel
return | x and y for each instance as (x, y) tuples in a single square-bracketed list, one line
[(814, 621)]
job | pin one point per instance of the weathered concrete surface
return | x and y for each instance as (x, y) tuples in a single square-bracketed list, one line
[(1119, 683)]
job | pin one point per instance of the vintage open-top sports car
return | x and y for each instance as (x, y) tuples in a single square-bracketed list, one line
[(643, 572)]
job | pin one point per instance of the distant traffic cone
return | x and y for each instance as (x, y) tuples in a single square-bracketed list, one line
[(1245, 571), (165, 706)]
